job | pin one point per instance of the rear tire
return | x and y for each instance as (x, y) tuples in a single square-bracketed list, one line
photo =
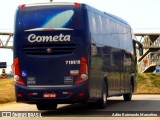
[(128, 96), (101, 103), (46, 106)]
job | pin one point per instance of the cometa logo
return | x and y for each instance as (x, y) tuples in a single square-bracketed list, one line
[(57, 38)]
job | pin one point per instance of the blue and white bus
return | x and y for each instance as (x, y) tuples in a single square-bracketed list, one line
[(69, 53)]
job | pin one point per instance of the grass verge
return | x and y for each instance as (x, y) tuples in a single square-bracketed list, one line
[(7, 93), (148, 83)]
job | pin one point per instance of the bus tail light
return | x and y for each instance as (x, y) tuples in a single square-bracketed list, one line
[(19, 95), (16, 70), (81, 94), (32, 94), (22, 6), (67, 93), (83, 76), (15, 67), (76, 4)]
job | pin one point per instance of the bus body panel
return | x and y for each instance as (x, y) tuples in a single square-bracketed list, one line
[(111, 54), (50, 52), (50, 68), (64, 94), (50, 46)]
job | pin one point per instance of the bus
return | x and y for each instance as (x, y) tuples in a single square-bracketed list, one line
[(71, 53)]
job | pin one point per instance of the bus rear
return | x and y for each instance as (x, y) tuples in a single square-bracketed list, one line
[(50, 62)]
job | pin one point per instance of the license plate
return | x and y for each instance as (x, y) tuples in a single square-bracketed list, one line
[(49, 95)]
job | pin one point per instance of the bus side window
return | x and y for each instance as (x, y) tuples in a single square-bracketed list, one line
[(93, 49), (137, 44)]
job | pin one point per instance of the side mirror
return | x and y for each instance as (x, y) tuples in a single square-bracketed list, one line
[(139, 46)]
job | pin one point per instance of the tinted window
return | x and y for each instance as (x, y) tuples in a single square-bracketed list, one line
[(49, 17)]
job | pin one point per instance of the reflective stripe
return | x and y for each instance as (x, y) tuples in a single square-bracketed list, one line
[(50, 3), (47, 29), (49, 86)]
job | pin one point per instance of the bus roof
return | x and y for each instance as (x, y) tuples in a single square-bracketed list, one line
[(48, 3), (112, 17)]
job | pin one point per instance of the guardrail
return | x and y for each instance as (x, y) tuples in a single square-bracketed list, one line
[(156, 57), (147, 43)]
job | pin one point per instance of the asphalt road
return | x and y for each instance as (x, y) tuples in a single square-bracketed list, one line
[(140, 104)]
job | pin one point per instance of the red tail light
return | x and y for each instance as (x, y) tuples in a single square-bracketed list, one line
[(22, 6), (76, 4), (19, 95), (15, 68), (81, 94), (83, 76), (17, 73)]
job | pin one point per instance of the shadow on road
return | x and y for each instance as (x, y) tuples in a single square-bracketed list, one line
[(113, 106)]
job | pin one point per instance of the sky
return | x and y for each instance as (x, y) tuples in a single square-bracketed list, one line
[(142, 15)]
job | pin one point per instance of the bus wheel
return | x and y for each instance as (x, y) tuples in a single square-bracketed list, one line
[(128, 96), (46, 106), (101, 103)]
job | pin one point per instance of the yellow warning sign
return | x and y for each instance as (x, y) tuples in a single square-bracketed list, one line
[(3, 73)]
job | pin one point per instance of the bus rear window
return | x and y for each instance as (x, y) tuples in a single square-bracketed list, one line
[(49, 17)]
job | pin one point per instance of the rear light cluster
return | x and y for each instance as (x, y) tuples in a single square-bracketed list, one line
[(67, 93), (83, 76), (17, 74), (77, 4), (22, 6)]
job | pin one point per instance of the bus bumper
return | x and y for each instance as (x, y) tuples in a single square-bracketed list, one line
[(74, 94)]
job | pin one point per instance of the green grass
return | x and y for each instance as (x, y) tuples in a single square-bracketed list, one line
[(156, 83), (148, 83), (7, 93)]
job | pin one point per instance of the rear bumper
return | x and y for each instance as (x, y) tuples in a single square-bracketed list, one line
[(73, 94)]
